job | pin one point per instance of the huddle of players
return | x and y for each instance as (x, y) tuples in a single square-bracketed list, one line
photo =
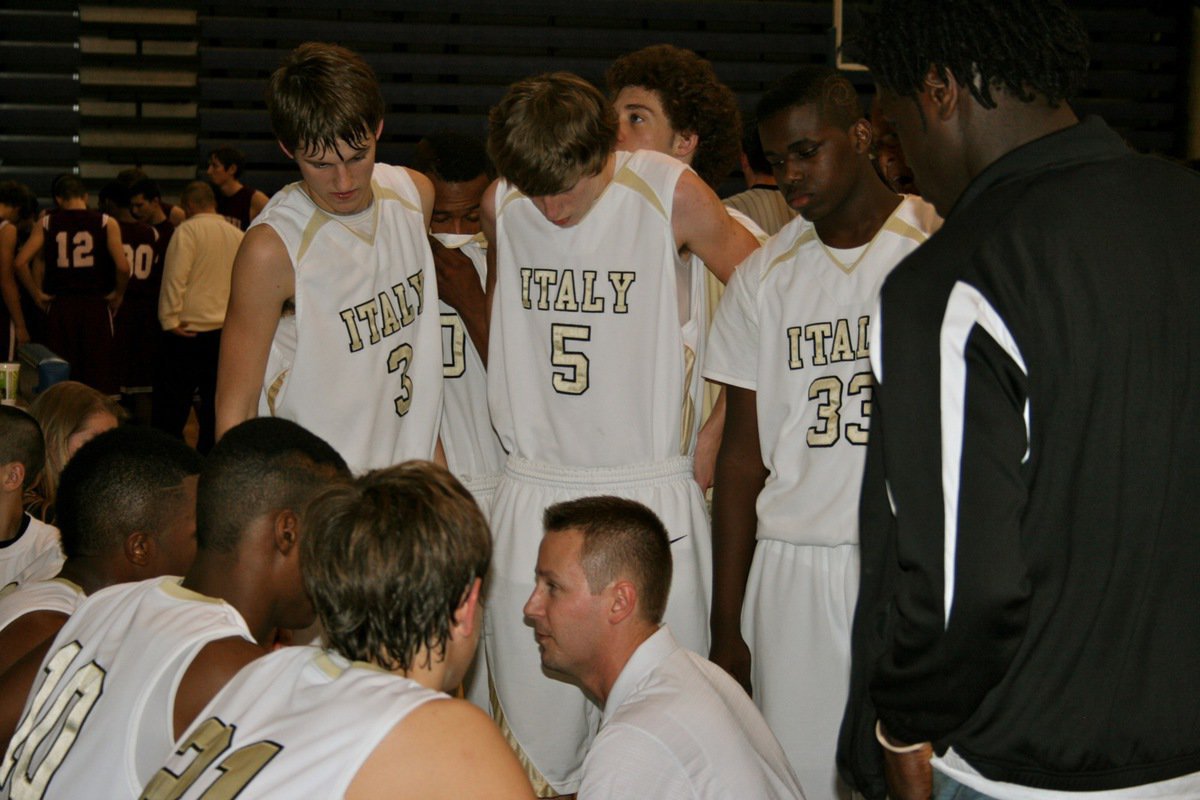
[(557, 208)]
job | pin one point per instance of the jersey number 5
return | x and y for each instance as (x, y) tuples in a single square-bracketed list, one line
[(573, 379)]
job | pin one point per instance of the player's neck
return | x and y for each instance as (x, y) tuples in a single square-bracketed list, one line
[(11, 513), (860, 216), (430, 673), (93, 573), (228, 576), (74, 204), (230, 187)]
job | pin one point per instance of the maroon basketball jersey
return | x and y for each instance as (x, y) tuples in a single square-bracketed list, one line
[(76, 251)]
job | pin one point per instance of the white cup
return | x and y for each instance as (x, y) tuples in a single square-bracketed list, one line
[(9, 372)]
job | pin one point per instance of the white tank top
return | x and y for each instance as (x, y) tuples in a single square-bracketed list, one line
[(794, 326), (56, 594), (35, 555), (360, 362), (299, 722), (99, 719), (597, 328), (472, 448)]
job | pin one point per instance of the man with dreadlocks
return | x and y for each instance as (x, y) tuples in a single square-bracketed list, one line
[(1029, 556)]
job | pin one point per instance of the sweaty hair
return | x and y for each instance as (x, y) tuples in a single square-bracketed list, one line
[(118, 483), (1025, 48), (147, 188), (68, 187), (21, 442), (452, 157), (621, 539), (197, 196), (323, 93), (550, 131), (831, 91), (229, 157), (63, 410), (694, 100), (260, 466), (388, 559)]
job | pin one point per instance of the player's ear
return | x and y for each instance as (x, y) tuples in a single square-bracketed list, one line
[(465, 616), (622, 602), (379, 130), (139, 548), (12, 476), (942, 91), (286, 531), (685, 144), (286, 152), (861, 136)]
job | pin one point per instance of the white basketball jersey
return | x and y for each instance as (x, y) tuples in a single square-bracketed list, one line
[(794, 326), (472, 448), (359, 363), (56, 594), (34, 555), (596, 328), (299, 722), (99, 719)]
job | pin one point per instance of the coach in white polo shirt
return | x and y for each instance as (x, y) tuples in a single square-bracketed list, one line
[(674, 725)]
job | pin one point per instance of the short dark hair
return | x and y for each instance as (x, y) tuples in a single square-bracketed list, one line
[(114, 486), (20, 197), (116, 193), (262, 465), (21, 441), (388, 559), (1026, 48), (550, 131), (197, 195), (452, 157), (829, 89), (229, 157), (68, 187), (147, 188), (693, 98), (621, 539), (320, 94)]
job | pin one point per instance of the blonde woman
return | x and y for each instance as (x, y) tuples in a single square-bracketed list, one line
[(71, 414)]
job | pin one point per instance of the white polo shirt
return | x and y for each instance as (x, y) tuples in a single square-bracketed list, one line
[(678, 726)]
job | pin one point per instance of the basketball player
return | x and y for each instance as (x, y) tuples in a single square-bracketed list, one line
[(236, 201), (145, 200), (592, 379), (85, 276), (668, 99), (29, 548), (394, 564), (790, 341), (136, 329), (357, 356), (127, 507), (140, 660)]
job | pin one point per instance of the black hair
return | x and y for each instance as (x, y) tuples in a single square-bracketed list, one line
[(259, 466), (452, 157), (230, 157), (113, 486), (21, 441), (1025, 48), (823, 86)]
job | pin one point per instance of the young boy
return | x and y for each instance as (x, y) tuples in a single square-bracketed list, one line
[(332, 318), (29, 548), (790, 341), (394, 564), (592, 380)]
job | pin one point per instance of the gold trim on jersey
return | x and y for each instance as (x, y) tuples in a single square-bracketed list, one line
[(274, 389), (173, 586), (315, 223), (513, 195), (688, 417), (904, 228), (627, 177), (806, 236)]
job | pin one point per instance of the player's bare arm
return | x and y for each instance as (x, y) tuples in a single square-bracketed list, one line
[(26, 633), (8, 284), (32, 247), (263, 280), (444, 749), (15, 684), (116, 251), (703, 225), (258, 201), (208, 673), (740, 477)]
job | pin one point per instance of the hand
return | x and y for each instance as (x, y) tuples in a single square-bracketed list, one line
[(43, 300), (704, 463), (909, 775), (114, 299), (180, 330), (22, 334), (731, 654), (458, 282)]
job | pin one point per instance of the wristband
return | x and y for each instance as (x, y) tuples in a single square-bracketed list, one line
[(908, 748)]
